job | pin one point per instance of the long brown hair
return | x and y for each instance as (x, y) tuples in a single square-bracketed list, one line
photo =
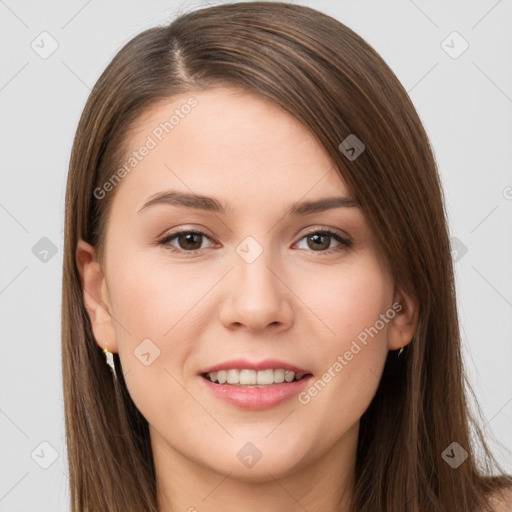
[(331, 80)]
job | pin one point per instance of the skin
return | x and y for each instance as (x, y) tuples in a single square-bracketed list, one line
[(293, 303)]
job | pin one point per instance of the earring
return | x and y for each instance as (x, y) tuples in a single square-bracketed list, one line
[(402, 348), (110, 361)]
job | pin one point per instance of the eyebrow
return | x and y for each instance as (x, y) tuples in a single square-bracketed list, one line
[(211, 204)]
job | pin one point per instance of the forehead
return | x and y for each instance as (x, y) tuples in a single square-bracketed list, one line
[(227, 142)]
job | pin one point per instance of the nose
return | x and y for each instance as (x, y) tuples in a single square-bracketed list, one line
[(256, 297)]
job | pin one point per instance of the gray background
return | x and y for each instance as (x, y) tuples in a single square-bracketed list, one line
[(464, 102)]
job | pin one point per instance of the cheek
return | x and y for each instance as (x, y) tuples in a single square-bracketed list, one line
[(348, 300), (158, 315), (154, 299), (357, 310)]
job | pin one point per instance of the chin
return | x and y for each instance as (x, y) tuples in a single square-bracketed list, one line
[(258, 461)]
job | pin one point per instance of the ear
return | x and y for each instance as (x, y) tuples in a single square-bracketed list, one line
[(405, 322), (96, 296)]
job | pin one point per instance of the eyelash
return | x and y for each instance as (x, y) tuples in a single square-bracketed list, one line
[(165, 241)]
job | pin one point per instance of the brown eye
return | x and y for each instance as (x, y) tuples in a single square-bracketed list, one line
[(320, 241), (190, 241), (187, 241)]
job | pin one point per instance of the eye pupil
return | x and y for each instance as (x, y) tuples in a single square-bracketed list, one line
[(317, 237), (185, 241)]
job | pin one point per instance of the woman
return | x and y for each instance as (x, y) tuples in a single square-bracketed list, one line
[(256, 240)]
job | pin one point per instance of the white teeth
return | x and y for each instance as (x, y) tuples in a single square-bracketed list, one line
[(265, 377), (279, 376), (247, 377), (233, 376)]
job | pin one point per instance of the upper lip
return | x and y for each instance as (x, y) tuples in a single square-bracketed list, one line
[(266, 364)]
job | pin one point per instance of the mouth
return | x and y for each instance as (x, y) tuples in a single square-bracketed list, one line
[(248, 378), (254, 386)]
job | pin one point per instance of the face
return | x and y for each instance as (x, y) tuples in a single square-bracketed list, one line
[(252, 283)]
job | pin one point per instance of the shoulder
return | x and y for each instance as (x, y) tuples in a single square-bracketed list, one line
[(501, 501)]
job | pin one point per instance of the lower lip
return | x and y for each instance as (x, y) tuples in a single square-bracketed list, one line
[(256, 399)]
